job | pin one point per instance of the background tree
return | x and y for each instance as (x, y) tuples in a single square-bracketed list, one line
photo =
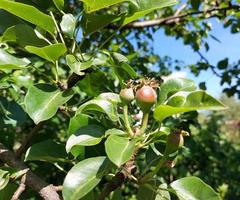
[(63, 65)]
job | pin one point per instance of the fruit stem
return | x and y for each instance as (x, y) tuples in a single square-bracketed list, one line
[(144, 122), (157, 168), (127, 123)]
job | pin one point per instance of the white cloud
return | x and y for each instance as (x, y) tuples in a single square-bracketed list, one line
[(180, 74)]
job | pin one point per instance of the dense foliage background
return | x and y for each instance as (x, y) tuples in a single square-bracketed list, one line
[(120, 51)]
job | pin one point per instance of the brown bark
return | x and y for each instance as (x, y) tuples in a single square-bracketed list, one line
[(45, 190)]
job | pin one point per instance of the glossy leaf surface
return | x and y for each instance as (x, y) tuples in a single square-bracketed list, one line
[(185, 102), (30, 14), (119, 149), (85, 136), (83, 177), (50, 52), (193, 188), (48, 150), (43, 100)]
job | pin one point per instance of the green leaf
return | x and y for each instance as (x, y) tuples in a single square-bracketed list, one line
[(117, 195), (76, 122), (9, 20), (30, 14), (8, 61), (115, 131), (23, 35), (195, 4), (150, 193), (95, 83), (59, 4), (119, 58), (8, 191), (185, 102), (48, 151), (93, 22), (100, 105), (16, 174), (145, 7), (84, 176), (85, 136), (126, 67), (91, 6), (172, 86), (193, 188), (43, 100), (4, 178), (11, 112), (111, 97), (68, 24), (77, 66), (119, 149), (50, 52), (223, 64)]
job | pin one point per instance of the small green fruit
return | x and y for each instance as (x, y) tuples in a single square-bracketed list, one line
[(126, 95), (146, 97), (174, 142)]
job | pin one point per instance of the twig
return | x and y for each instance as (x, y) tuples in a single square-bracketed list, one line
[(211, 66), (174, 18), (127, 171), (58, 29), (20, 189), (178, 11), (74, 78), (27, 140), (126, 120), (46, 191), (58, 188), (116, 182)]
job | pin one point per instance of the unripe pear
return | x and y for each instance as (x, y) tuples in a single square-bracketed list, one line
[(174, 142), (146, 97), (126, 95)]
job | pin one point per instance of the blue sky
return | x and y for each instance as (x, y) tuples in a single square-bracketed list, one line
[(229, 47)]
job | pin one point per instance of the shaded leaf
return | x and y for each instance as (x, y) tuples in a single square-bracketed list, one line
[(23, 35), (92, 22), (48, 150), (50, 52), (4, 178), (119, 149), (223, 64), (76, 122), (153, 191), (193, 188), (43, 100), (195, 4), (8, 191), (126, 67), (9, 20), (30, 14), (11, 112), (83, 177)]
